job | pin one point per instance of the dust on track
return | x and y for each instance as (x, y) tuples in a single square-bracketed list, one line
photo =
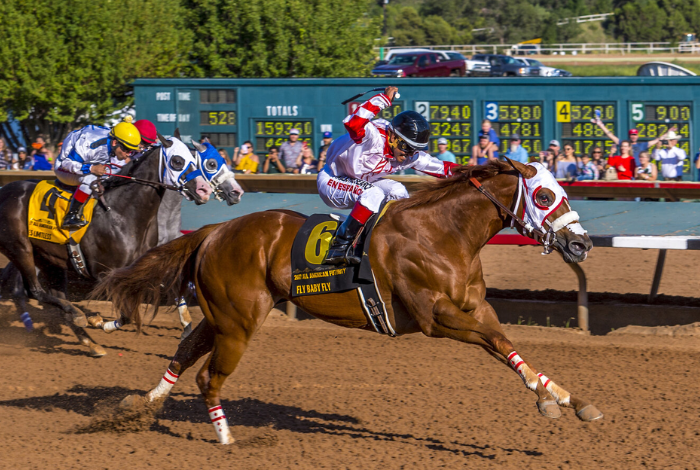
[(311, 395)]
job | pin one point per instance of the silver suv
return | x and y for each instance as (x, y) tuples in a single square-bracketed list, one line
[(507, 66)]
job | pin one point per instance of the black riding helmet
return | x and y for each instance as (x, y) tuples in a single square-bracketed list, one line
[(412, 128)]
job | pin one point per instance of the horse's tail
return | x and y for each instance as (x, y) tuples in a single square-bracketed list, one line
[(158, 271)]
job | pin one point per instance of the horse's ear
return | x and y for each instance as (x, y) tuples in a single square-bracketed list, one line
[(177, 133), (199, 147), (525, 170), (166, 143)]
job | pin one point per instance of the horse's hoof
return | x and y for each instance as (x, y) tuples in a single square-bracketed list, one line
[(589, 413), (131, 401), (549, 408), (80, 320), (186, 332), (95, 321), (97, 351)]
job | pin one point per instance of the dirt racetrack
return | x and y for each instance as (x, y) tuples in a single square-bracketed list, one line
[(311, 395)]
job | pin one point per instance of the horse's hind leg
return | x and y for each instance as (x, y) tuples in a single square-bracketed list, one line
[(56, 282), (194, 346), (12, 277), (236, 314)]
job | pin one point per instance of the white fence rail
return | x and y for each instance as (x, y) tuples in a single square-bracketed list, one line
[(585, 19), (566, 49)]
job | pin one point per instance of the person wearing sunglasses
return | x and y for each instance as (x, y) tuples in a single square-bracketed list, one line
[(357, 161), (85, 156)]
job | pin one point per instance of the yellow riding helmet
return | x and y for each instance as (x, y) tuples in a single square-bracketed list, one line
[(127, 134)]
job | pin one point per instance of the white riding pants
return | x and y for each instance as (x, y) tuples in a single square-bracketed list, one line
[(72, 179), (342, 192)]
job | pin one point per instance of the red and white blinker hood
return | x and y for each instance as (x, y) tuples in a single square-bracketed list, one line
[(536, 214)]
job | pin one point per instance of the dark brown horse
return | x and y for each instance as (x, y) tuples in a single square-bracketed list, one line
[(425, 255)]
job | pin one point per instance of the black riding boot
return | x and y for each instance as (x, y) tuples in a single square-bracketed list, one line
[(342, 249), (74, 217)]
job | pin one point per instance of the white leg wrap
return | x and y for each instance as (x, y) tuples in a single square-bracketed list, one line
[(218, 419), (562, 396), (185, 318), (111, 326), (525, 373), (164, 386)]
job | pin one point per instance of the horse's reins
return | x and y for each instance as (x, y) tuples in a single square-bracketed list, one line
[(149, 182), (97, 187), (546, 238)]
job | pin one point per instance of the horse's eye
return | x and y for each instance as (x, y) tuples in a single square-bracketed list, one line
[(177, 163), (210, 165)]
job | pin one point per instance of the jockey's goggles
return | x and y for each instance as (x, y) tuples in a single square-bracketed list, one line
[(404, 146), (126, 149)]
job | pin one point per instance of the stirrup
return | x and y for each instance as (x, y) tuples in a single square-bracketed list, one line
[(337, 255)]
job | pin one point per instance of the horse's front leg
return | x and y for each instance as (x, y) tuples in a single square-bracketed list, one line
[(481, 327)]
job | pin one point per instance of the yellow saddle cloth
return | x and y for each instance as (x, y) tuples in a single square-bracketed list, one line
[(47, 209)]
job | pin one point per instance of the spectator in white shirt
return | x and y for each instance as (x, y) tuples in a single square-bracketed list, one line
[(672, 159)]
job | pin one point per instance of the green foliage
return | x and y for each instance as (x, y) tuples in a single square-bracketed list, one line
[(62, 66), (641, 20), (281, 38)]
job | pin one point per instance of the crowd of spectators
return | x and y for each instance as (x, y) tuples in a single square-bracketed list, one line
[(39, 158), (657, 159)]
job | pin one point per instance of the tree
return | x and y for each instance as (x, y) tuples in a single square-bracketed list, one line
[(411, 28), (641, 20), (62, 67), (281, 38)]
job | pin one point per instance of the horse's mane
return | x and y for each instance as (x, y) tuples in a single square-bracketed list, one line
[(129, 169), (432, 191)]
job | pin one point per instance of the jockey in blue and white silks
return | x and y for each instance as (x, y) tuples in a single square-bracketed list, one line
[(85, 156)]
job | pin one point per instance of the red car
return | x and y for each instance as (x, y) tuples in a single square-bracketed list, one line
[(420, 64)]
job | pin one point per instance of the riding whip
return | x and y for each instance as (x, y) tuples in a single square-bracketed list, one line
[(368, 91)]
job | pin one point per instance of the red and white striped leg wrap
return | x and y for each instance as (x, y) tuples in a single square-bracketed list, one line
[(519, 366), (164, 386), (562, 396), (218, 419)]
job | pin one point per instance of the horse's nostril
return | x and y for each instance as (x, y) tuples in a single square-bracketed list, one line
[(577, 247)]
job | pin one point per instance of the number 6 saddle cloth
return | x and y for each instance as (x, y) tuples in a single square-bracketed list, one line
[(311, 277), (47, 209)]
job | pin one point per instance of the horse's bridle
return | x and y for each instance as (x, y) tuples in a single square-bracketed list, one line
[(546, 238)]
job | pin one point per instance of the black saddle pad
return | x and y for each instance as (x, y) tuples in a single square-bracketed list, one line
[(310, 276)]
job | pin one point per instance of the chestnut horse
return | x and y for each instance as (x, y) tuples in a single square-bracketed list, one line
[(425, 255)]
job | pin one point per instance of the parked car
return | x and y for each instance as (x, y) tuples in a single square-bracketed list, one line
[(544, 70), (507, 66), (526, 49), (474, 68), (392, 52), (420, 64)]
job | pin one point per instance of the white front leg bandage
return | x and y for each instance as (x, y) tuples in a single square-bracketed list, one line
[(519, 366), (562, 396)]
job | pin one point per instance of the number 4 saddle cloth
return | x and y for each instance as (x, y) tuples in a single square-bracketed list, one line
[(311, 277), (47, 208)]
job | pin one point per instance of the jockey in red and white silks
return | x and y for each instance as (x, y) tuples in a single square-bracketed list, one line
[(357, 161)]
